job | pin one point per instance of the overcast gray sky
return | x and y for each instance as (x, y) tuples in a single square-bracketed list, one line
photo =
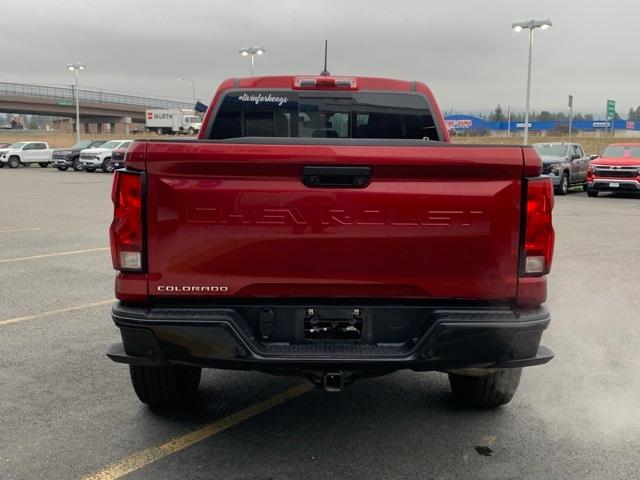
[(464, 50)]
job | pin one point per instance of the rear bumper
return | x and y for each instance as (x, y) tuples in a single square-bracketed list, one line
[(416, 337)]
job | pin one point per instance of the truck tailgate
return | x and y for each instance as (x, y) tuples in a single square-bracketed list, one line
[(236, 220)]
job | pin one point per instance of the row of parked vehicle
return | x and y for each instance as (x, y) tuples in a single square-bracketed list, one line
[(87, 155), (616, 170)]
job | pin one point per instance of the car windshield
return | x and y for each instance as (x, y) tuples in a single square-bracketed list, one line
[(548, 150), (97, 143), (318, 115), (81, 145), (622, 151), (192, 119), (112, 144), (17, 146)]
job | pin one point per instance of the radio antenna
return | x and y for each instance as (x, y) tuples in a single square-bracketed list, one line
[(325, 72)]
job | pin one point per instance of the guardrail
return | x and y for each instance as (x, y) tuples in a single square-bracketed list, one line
[(65, 95)]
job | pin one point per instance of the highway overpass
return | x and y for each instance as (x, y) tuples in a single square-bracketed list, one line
[(97, 108)]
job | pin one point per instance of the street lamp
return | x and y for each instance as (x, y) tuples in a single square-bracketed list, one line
[(193, 87), (252, 52), (530, 25), (75, 68)]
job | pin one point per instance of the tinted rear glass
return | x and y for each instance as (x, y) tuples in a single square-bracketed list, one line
[(314, 115), (621, 151)]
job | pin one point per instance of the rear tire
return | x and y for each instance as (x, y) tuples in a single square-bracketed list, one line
[(191, 131), (43, 164), (592, 193), (14, 162), (563, 188), (75, 164), (169, 387), (486, 392)]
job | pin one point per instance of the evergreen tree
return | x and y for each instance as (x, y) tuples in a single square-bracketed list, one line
[(497, 115)]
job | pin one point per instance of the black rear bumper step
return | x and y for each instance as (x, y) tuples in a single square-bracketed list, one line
[(433, 338)]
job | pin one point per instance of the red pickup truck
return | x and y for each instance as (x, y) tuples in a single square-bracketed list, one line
[(616, 170), (325, 227)]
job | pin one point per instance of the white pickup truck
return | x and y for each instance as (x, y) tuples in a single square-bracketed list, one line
[(26, 153), (100, 157)]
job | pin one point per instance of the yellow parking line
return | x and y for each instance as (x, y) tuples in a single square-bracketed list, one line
[(143, 458), (53, 312), (20, 230), (19, 259)]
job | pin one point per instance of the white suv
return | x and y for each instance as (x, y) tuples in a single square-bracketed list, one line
[(26, 153), (100, 157)]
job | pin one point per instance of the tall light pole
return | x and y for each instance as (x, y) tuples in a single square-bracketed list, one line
[(193, 87), (530, 25), (252, 52), (75, 68)]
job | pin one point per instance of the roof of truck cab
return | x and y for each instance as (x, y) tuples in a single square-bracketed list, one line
[(286, 81)]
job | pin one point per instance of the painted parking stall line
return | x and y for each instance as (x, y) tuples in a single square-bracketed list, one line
[(14, 230), (55, 312), (145, 457), (57, 254)]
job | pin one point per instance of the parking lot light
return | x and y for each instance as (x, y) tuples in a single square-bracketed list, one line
[(252, 52), (75, 68), (530, 25)]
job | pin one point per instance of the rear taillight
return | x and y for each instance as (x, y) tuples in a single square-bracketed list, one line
[(126, 229), (539, 234)]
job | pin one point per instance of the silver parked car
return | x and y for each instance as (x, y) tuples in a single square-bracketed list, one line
[(565, 163)]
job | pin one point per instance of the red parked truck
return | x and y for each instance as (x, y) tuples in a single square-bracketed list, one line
[(616, 170), (325, 227)]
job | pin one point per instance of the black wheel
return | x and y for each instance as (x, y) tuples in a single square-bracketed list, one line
[(592, 193), (488, 391), (62, 169), (107, 166), (170, 386), (563, 188), (14, 162), (75, 164), (89, 169), (43, 164), (1, 165), (191, 131)]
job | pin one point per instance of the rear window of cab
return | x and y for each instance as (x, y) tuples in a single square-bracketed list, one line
[(317, 115)]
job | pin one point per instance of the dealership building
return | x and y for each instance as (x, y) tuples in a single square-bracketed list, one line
[(469, 124)]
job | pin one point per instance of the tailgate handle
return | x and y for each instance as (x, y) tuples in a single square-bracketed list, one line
[(340, 177)]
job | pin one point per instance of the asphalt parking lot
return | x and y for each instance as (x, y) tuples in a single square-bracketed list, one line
[(67, 412)]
